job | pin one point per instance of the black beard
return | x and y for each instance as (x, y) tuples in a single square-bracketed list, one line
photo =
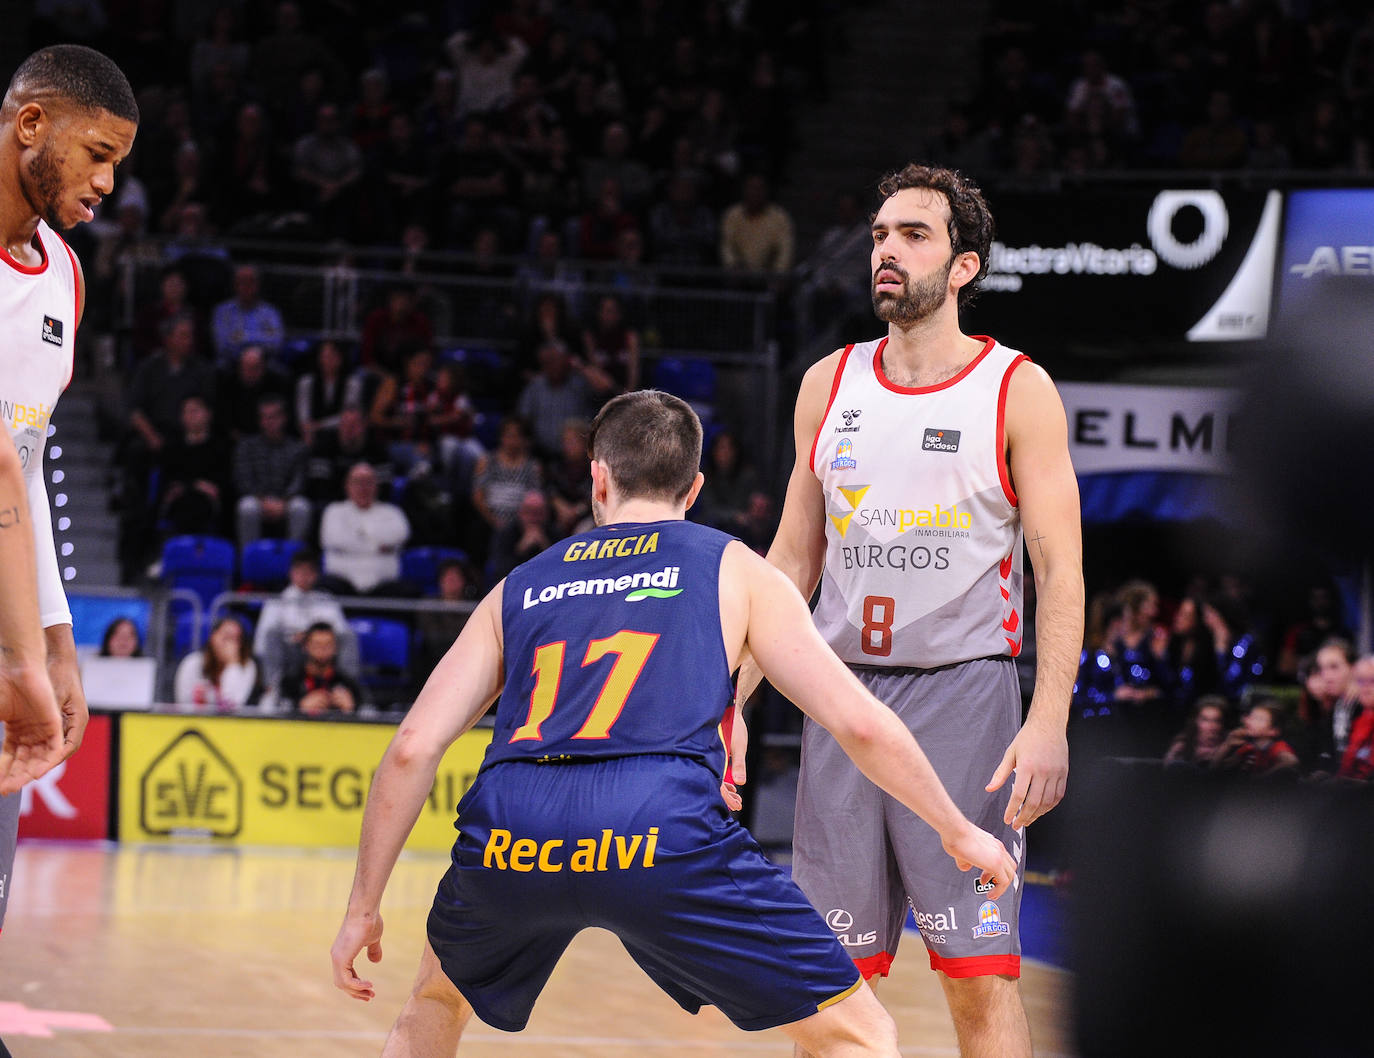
[(918, 301), (46, 177)]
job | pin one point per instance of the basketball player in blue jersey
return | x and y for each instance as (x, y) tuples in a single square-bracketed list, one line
[(922, 459), (67, 120), (28, 711), (598, 801)]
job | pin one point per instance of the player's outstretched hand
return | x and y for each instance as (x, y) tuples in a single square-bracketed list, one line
[(972, 847), (33, 727), (356, 933)]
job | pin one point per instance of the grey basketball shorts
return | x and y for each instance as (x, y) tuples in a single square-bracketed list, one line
[(9, 837), (862, 858)]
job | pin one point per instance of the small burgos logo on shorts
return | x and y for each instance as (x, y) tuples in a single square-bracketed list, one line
[(990, 920), (940, 440)]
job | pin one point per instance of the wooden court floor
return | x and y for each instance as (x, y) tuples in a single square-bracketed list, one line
[(138, 951)]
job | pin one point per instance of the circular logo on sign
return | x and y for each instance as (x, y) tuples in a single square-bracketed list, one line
[(1160, 225)]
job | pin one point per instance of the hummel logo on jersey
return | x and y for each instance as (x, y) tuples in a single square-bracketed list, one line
[(941, 440), (52, 330), (850, 416)]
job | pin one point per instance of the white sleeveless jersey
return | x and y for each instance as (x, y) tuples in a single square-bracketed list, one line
[(38, 311), (923, 534)]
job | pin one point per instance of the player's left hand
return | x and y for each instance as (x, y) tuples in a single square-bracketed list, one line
[(65, 673), (1039, 756), (356, 933)]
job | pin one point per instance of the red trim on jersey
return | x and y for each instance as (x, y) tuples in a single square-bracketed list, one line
[(977, 965), (874, 965), (76, 308), (28, 270), (834, 388), (1003, 471), (889, 384)]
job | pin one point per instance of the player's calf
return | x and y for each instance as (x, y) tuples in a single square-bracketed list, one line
[(432, 1021)]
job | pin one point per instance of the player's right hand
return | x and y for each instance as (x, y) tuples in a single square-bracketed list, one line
[(356, 933), (33, 727), (972, 847)]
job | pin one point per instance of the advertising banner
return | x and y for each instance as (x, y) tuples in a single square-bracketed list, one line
[(1328, 246), (265, 781), (72, 800), (1130, 264), (1114, 428)]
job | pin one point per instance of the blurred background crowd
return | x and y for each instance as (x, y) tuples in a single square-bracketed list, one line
[(371, 269)]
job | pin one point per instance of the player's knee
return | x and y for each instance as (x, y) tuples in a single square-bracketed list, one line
[(974, 999), (858, 1025), (432, 985)]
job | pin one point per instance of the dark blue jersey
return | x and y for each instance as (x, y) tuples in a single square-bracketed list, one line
[(613, 648)]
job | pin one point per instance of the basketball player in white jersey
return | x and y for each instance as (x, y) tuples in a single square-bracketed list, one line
[(67, 120), (28, 711), (922, 458)]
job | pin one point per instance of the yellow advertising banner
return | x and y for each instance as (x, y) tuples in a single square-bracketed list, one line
[(265, 781)]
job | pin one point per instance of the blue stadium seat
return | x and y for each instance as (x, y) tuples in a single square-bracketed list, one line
[(92, 614), (420, 565), (264, 564), (691, 378), (201, 564), (384, 645)]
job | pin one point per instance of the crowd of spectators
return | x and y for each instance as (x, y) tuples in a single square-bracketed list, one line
[(1210, 678), (1070, 86), (473, 122), (358, 454)]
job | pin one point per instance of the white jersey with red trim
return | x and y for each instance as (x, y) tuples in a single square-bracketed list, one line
[(923, 535), (38, 311)]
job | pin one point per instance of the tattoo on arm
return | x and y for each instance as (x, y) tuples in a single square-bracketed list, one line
[(1038, 538), (9, 516)]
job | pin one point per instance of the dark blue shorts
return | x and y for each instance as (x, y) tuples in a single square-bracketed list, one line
[(642, 847)]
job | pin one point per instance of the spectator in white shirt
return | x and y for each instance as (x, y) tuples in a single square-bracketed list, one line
[(361, 538), (222, 676)]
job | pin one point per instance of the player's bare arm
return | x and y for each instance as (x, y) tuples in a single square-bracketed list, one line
[(33, 726), (761, 609), (1047, 493), (798, 547), (459, 690)]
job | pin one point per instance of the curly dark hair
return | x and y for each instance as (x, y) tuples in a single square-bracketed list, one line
[(970, 221)]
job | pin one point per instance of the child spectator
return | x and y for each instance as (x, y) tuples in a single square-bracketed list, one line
[(1255, 746)]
